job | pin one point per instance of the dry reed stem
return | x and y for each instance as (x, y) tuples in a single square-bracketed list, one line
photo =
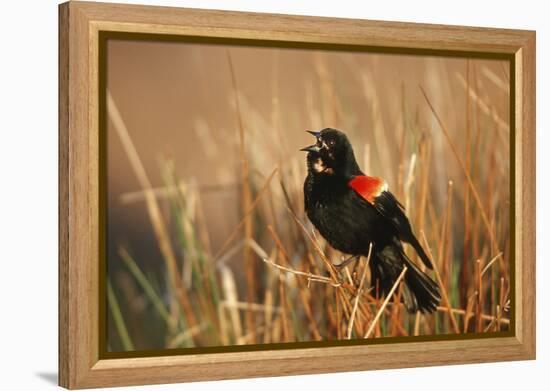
[(490, 263), (456, 311), (283, 304), (310, 276), (155, 216), (251, 208), (250, 337), (359, 292), (231, 297), (268, 313), (394, 313), (348, 275), (409, 181), (186, 335), (309, 315), (230, 252), (163, 192), (305, 302), (479, 303), (338, 323), (386, 301), (502, 296), (204, 235), (468, 154), (328, 264), (444, 232), (427, 154), (491, 324), (260, 252), (498, 318), (224, 329), (249, 307), (462, 312), (468, 312), (484, 106), (504, 86), (245, 201), (440, 282), (465, 170), (417, 324), (187, 226)]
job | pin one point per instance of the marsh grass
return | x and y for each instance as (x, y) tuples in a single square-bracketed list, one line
[(273, 279)]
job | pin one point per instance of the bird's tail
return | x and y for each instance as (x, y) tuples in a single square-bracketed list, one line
[(421, 293), (421, 253)]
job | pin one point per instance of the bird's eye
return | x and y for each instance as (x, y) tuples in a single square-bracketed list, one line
[(331, 143)]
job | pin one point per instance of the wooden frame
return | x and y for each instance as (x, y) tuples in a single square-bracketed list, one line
[(79, 27)]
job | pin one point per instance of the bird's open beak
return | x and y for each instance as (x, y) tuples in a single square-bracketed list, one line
[(311, 148), (314, 147), (314, 134)]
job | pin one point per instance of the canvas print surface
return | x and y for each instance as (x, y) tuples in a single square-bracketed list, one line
[(261, 195)]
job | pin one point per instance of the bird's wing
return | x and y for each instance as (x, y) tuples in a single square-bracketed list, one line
[(375, 191), (368, 187)]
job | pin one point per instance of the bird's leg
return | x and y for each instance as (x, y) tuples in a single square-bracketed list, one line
[(346, 262)]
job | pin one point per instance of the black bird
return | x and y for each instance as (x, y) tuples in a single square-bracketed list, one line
[(352, 210)]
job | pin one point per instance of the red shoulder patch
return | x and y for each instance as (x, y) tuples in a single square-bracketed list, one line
[(368, 187)]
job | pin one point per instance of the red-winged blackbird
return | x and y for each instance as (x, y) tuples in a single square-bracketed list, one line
[(352, 210)]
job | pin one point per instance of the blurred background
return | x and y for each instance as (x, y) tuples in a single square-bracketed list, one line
[(205, 185)]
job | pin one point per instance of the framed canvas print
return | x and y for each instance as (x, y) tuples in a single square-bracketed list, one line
[(255, 195)]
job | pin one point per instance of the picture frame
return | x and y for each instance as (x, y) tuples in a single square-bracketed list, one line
[(81, 25)]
